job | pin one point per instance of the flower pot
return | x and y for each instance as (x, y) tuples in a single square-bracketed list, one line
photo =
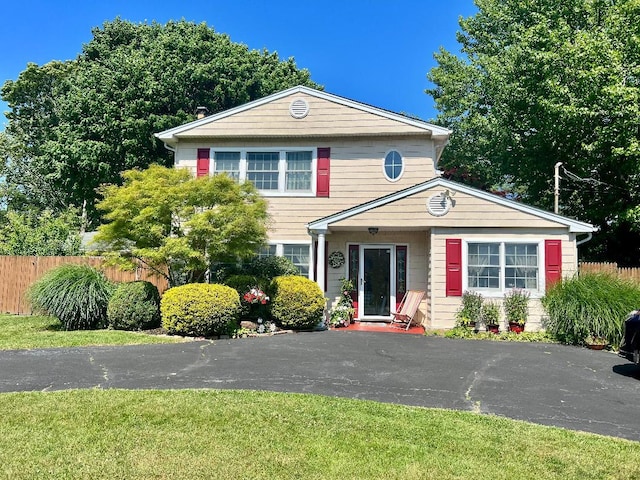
[(493, 329), (596, 346), (516, 327)]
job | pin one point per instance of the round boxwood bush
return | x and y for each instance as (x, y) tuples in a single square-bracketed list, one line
[(271, 267), (297, 302), (244, 283), (75, 294), (200, 309), (134, 306)]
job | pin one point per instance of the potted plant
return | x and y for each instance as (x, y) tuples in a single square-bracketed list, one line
[(491, 316), (257, 302), (470, 311), (342, 314), (595, 342), (516, 309)]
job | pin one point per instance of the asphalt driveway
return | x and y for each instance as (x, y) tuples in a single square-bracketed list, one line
[(546, 384)]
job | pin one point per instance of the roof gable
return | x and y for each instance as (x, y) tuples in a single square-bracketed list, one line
[(394, 206), (329, 115)]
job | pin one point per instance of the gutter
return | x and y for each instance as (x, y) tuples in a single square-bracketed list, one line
[(584, 240), (171, 149)]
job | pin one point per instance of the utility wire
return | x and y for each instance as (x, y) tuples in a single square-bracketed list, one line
[(590, 181)]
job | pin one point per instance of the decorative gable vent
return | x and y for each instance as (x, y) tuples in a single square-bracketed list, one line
[(439, 205), (299, 108)]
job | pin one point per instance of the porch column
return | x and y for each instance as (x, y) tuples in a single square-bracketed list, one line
[(320, 271)]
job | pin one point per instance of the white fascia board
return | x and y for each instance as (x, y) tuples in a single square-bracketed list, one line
[(574, 226), (169, 134), (323, 223), (435, 130)]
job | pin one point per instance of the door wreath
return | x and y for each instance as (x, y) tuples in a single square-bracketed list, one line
[(336, 259)]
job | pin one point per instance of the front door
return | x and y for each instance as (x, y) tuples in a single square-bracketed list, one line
[(376, 276)]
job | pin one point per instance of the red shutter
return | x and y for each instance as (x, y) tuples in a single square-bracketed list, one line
[(203, 162), (454, 267), (552, 261), (401, 273), (322, 184), (354, 274)]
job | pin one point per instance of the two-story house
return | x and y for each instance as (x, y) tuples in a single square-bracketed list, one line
[(354, 192)]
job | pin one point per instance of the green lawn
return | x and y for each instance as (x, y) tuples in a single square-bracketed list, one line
[(234, 435), (20, 332)]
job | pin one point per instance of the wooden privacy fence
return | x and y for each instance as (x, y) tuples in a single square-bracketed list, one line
[(17, 273), (626, 273)]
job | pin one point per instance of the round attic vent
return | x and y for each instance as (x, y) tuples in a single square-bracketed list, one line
[(439, 205), (299, 108)]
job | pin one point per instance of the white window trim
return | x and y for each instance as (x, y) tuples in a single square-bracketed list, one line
[(404, 163), (282, 167), (500, 292)]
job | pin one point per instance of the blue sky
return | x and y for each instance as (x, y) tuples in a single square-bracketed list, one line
[(374, 51)]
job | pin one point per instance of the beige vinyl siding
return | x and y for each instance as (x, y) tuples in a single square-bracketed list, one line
[(356, 176), (468, 211), (443, 308), (417, 261), (325, 118)]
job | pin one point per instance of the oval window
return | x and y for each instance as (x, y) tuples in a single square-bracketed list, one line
[(393, 165)]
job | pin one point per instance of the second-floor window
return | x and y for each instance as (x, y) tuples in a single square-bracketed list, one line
[(263, 169), (393, 165), (276, 172), (298, 171)]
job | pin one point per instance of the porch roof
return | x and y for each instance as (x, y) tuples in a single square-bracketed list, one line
[(537, 216)]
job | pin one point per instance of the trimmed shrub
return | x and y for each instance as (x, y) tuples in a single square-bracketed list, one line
[(134, 306), (266, 268), (589, 304), (244, 283), (200, 309), (297, 302), (77, 295), (271, 267)]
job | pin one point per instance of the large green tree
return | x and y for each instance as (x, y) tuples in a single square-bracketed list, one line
[(168, 219), (546, 81), (40, 233), (75, 125)]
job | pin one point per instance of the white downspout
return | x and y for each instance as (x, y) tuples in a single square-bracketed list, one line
[(584, 240), (171, 149)]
